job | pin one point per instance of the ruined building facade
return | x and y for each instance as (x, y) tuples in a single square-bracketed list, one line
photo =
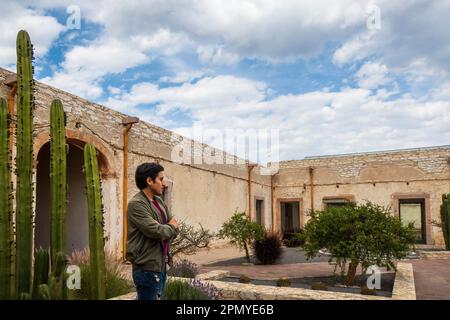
[(410, 181)]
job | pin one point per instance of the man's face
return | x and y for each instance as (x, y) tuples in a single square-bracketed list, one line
[(157, 186)]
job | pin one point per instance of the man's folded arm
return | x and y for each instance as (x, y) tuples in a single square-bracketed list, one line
[(147, 225)]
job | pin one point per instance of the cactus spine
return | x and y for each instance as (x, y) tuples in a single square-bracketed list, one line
[(445, 219), (95, 217), (58, 180), (24, 190), (6, 229)]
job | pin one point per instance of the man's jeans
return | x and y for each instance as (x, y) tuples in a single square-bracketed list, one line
[(149, 285)]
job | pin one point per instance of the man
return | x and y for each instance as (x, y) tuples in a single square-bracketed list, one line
[(150, 229)]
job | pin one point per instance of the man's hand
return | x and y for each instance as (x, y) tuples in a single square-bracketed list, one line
[(174, 223)]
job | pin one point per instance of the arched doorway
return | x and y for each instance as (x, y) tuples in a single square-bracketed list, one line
[(76, 219)]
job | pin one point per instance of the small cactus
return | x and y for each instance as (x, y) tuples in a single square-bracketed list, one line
[(365, 290), (244, 279), (44, 292), (319, 286), (283, 282), (445, 219), (95, 217), (24, 296), (56, 281), (41, 269)]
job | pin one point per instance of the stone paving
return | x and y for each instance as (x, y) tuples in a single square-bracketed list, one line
[(432, 277)]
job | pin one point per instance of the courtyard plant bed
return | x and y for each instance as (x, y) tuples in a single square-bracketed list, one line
[(328, 283), (288, 256)]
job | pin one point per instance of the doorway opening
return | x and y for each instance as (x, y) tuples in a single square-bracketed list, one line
[(290, 216), (77, 236)]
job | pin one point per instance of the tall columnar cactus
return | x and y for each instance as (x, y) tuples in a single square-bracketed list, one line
[(41, 269), (6, 229), (58, 179), (95, 216), (24, 162), (445, 219)]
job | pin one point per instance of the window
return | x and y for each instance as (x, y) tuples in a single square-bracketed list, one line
[(413, 210), (259, 208), (335, 202)]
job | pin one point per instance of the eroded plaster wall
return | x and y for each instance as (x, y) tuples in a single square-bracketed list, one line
[(202, 193)]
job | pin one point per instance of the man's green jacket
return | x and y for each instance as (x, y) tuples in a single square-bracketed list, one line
[(146, 233)]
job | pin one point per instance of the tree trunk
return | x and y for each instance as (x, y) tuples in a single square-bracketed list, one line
[(351, 274), (247, 255)]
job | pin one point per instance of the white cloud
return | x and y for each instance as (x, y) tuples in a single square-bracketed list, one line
[(216, 55), (229, 29), (84, 67), (314, 123), (184, 76), (373, 75), (163, 41), (43, 30), (413, 41)]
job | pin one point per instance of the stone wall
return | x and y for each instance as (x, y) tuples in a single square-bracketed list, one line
[(201, 193), (381, 177)]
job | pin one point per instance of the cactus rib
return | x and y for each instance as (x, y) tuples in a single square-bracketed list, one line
[(95, 217), (6, 229), (24, 160), (58, 180)]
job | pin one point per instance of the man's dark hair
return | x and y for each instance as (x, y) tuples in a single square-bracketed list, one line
[(146, 170)]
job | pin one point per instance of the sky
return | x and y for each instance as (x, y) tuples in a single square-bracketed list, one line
[(331, 77)]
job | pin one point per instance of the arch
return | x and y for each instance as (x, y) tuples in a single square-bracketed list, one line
[(77, 235), (79, 139)]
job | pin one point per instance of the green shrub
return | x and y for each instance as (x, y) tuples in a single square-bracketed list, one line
[(358, 234), (268, 248), (294, 238), (283, 282), (241, 232)]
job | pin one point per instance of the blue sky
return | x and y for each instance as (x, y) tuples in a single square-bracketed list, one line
[(332, 77)]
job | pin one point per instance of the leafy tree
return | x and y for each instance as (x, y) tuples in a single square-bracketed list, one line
[(241, 232), (358, 234)]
